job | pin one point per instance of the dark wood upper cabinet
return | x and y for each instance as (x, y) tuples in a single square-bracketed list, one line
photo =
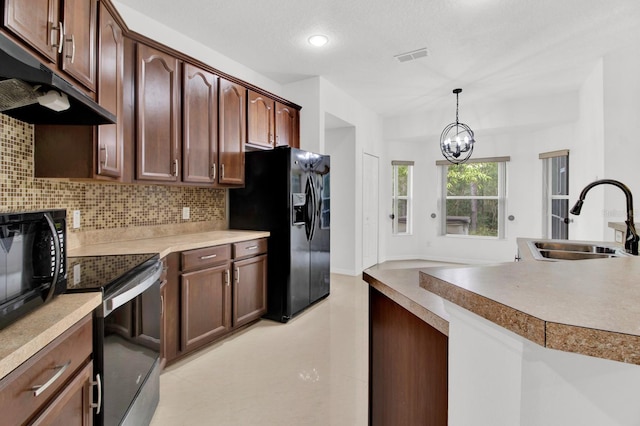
[(63, 31), (37, 23), (78, 57), (157, 116), (287, 126), (199, 125), (232, 132), (260, 120), (110, 95)]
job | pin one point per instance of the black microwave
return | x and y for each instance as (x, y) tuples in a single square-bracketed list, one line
[(33, 261)]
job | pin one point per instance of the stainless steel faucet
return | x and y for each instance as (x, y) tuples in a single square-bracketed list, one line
[(631, 237)]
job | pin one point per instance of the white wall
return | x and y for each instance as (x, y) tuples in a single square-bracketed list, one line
[(340, 145), (586, 164), (621, 131)]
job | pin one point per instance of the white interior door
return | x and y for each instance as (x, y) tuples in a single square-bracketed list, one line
[(370, 207)]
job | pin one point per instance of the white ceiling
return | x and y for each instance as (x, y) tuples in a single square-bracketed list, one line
[(493, 49)]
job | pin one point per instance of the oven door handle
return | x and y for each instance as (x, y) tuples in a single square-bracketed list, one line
[(136, 289)]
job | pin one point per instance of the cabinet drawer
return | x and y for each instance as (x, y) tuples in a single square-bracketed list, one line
[(208, 256), (249, 248), (50, 368)]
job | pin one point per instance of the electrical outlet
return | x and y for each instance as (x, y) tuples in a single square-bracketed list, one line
[(76, 219), (76, 274), (186, 213)]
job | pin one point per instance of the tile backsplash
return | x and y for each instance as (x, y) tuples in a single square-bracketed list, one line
[(102, 205)]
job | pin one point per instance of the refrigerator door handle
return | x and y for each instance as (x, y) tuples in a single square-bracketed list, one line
[(308, 203), (314, 208)]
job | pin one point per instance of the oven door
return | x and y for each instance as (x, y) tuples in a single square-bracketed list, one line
[(131, 352)]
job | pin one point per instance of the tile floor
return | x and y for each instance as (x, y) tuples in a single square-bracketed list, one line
[(310, 371)]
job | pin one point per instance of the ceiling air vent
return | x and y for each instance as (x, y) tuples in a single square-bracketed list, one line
[(410, 56)]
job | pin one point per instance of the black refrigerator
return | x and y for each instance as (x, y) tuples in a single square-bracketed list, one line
[(287, 192)]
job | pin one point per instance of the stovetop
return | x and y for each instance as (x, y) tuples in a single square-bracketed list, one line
[(102, 273)]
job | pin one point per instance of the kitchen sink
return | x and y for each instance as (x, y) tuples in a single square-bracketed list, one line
[(573, 250)]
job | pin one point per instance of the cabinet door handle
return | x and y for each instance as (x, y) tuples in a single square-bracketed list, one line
[(97, 405), (210, 256), (226, 277), (175, 163), (106, 154), (237, 275), (213, 171), (161, 306), (221, 171), (60, 30), (38, 389), (73, 48)]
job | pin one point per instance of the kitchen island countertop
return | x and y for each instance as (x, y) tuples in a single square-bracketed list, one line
[(588, 307)]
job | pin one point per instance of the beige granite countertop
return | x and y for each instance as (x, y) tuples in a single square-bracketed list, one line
[(164, 245), (402, 286), (25, 337), (589, 307)]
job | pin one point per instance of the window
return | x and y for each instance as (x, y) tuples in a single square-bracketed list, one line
[(474, 197), (555, 190), (402, 182)]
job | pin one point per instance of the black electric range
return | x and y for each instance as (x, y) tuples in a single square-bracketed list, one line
[(126, 347)]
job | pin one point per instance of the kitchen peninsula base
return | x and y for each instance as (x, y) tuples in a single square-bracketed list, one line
[(499, 378)]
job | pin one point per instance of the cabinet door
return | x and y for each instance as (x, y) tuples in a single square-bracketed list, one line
[(158, 115), (287, 126), (205, 311), (260, 118), (37, 23), (233, 135), (79, 46), (110, 95), (249, 289), (72, 406), (200, 125)]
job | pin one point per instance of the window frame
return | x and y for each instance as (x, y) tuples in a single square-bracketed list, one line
[(395, 164), (547, 192), (501, 197)]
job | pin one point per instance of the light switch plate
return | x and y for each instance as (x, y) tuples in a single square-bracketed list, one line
[(186, 213)]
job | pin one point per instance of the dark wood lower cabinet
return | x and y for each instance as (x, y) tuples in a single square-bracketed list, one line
[(205, 305), (209, 293), (250, 289), (407, 367), (72, 407)]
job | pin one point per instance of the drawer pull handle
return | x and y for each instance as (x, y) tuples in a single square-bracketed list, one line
[(38, 389), (211, 256), (251, 248), (97, 405)]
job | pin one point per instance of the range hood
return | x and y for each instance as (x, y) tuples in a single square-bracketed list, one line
[(31, 92)]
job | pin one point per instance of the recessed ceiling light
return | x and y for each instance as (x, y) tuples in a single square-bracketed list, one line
[(318, 40)]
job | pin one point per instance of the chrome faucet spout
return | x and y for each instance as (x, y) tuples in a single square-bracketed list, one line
[(631, 238)]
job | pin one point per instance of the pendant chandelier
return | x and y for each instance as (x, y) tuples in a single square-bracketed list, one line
[(456, 140)]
